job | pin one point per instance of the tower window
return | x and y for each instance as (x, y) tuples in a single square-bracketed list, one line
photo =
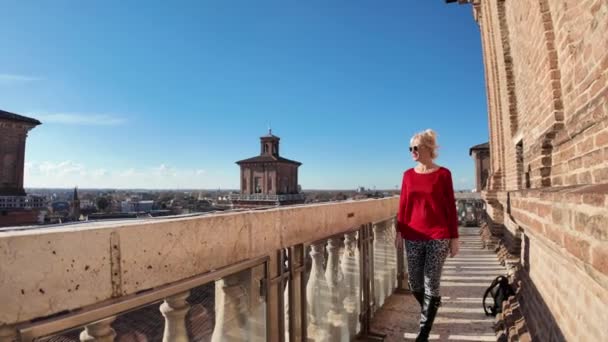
[(257, 185), (519, 162)]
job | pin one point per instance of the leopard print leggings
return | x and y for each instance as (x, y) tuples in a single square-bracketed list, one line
[(424, 263)]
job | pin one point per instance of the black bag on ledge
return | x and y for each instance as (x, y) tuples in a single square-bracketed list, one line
[(500, 290)]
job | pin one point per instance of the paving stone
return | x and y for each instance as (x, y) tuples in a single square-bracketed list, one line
[(461, 316)]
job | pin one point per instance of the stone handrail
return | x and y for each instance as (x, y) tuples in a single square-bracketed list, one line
[(49, 270)]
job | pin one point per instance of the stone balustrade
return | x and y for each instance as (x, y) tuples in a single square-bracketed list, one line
[(102, 269)]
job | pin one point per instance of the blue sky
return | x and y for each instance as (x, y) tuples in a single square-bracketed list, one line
[(171, 94)]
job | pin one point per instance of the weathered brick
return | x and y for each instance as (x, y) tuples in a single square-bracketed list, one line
[(592, 158), (554, 233), (577, 246), (560, 216), (543, 210), (600, 175), (599, 258), (580, 221), (575, 164), (595, 226), (601, 139), (584, 177), (558, 181), (574, 197), (594, 199), (568, 153), (584, 146)]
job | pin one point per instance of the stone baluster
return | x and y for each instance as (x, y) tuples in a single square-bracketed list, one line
[(100, 331), (389, 239), (393, 255), (287, 308), (8, 334), (175, 309), (384, 236), (230, 310), (316, 294), (379, 267), (350, 270), (337, 318)]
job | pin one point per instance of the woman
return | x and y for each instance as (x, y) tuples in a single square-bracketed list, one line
[(428, 222)]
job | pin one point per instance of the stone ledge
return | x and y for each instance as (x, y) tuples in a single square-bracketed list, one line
[(45, 271)]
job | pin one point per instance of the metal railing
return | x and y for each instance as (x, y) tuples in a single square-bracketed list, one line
[(266, 197), (102, 312), (12, 202)]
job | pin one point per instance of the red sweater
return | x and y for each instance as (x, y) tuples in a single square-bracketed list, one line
[(427, 209)]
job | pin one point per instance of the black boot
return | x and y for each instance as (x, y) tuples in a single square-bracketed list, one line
[(419, 297), (429, 310)]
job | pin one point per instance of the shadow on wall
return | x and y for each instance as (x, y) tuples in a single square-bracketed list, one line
[(541, 323)]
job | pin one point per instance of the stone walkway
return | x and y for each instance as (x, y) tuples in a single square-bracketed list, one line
[(461, 317)]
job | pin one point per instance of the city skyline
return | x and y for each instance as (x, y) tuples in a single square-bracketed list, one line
[(173, 106)]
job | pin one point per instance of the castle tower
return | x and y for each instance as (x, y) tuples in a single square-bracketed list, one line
[(268, 179), (15, 207)]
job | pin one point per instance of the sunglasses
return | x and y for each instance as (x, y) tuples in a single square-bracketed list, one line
[(414, 148)]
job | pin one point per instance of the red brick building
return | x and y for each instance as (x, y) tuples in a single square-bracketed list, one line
[(481, 155), (268, 179), (16, 208), (546, 71)]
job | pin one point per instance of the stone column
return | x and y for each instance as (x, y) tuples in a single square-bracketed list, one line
[(100, 331), (350, 270), (175, 309), (338, 321), (316, 296), (8, 334)]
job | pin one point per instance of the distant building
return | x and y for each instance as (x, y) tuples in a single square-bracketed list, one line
[(137, 206), (481, 155), (16, 208), (268, 179), (61, 207)]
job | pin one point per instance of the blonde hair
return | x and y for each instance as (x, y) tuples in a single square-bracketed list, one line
[(427, 138)]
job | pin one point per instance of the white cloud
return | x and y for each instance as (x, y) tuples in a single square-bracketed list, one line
[(99, 173), (63, 168), (81, 119), (68, 173), (12, 78), (164, 170)]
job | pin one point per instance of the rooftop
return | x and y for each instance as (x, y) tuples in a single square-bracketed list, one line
[(16, 117)]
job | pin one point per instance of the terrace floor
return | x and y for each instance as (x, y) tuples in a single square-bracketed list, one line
[(461, 316)]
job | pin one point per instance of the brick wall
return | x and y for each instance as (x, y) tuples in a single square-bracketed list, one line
[(546, 68), (9, 218)]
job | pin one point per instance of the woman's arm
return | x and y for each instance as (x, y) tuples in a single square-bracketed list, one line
[(401, 210), (452, 215)]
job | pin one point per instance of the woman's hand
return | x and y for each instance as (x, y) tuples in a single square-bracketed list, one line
[(454, 247), (398, 240)]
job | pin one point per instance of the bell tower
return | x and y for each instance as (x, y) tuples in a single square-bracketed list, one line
[(268, 178), (269, 145)]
